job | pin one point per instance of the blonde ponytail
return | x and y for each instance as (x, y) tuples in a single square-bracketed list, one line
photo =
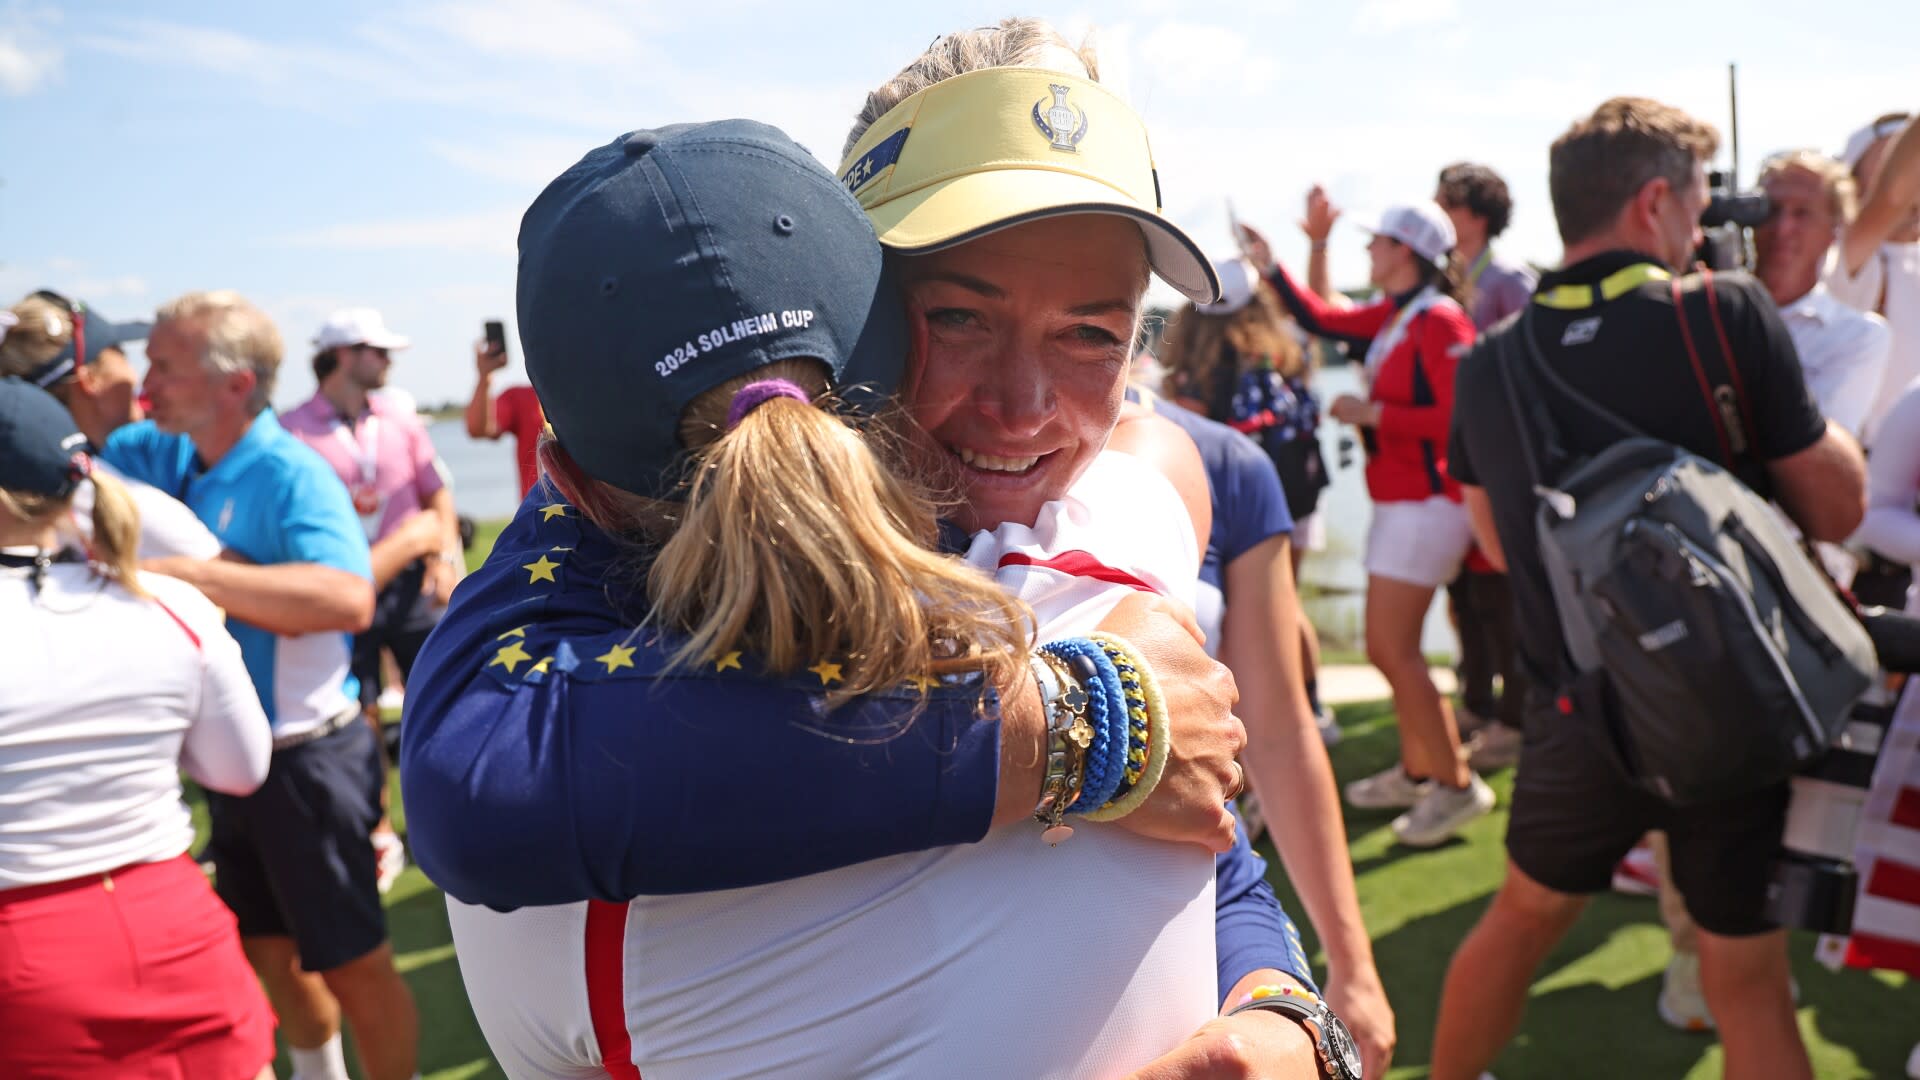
[(798, 546), (115, 550), (116, 532)]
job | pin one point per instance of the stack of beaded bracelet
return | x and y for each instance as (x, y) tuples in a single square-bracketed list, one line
[(1068, 736), (1107, 729), (1149, 729), (1106, 710)]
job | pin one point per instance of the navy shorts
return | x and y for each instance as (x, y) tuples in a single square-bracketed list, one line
[(1574, 816), (294, 859)]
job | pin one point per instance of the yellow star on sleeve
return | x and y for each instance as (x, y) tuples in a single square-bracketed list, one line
[(617, 657), (553, 510), (731, 660), (518, 631), (541, 569), (510, 656), (829, 673), (541, 665), (923, 683)]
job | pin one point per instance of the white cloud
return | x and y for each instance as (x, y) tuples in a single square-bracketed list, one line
[(1188, 59), (29, 57), (562, 30), (1391, 16), (490, 232), (529, 161)]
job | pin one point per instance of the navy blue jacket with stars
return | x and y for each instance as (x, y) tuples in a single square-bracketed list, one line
[(549, 757)]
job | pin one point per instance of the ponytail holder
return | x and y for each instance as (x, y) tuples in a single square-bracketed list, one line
[(755, 394), (81, 466)]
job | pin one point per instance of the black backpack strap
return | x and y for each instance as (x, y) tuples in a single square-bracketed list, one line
[(1714, 369)]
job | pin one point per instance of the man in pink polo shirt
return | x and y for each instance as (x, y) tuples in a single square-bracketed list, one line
[(383, 456)]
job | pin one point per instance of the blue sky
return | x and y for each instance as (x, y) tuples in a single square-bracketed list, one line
[(320, 155)]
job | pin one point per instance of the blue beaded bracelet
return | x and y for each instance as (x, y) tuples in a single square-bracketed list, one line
[(1136, 708), (1106, 712)]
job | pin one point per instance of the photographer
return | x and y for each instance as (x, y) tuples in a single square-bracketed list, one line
[(1628, 187)]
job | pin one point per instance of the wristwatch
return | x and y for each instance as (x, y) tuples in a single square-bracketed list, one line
[(1332, 1042)]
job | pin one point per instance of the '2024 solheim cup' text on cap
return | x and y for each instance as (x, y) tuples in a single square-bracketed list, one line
[(676, 259), (1002, 146)]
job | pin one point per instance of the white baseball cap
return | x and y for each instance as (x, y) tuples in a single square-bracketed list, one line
[(1861, 141), (358, 326), (1423, 227), (1238, 279)]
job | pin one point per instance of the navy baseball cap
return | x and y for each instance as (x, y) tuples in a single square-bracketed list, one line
[(669, 261), (41, 448), (91, 335)]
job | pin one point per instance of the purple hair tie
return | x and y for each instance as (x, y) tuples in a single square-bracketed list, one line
[(758, 393)]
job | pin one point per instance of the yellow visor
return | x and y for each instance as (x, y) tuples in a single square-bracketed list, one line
[(1003, 146)]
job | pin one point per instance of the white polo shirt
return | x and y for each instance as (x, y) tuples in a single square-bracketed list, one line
[(1005, 958), (167, 526), (1843, 353), (104, 698), (1893, 273)]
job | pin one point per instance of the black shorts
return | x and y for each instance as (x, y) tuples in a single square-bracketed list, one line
[(402, 619), (295, 859), (1574, 816)]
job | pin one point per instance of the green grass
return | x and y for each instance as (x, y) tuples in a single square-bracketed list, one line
[(1592, 1008)]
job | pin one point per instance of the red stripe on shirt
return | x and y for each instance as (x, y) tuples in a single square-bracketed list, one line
[(1906, 810), (606, 987), (178, 621), (1894, 881), (1078, 564)]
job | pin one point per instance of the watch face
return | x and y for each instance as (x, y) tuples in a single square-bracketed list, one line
[(1340, 1048)]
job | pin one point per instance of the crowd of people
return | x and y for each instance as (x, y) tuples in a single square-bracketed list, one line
[(906, 587)]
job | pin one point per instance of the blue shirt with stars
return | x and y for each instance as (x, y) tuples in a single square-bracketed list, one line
[(272, 499), (551, 755)]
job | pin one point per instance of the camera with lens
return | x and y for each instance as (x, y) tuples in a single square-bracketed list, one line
[(1813, 882), (1728, 216)]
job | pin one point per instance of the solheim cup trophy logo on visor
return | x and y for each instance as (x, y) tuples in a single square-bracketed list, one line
[(1057, 123)]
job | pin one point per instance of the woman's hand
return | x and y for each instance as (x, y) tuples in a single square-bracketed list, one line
[(1190, 804), (1361, 1003), (1357, 411), (1255, 247), (1255, 1045), (1320, 216)]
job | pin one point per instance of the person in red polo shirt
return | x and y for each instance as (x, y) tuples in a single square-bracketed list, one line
[(516, 410)]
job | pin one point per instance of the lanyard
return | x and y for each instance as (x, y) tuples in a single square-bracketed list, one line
[(1612, 287), (1480, 265), (363, 442), (1389, 338)]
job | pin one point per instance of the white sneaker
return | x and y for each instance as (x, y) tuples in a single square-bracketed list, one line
[(1389, 790), (1637, 874), (1443, 811), (1913, 1064), (1494, 746), (390, 855), (1682, 1004), (1330, 732)]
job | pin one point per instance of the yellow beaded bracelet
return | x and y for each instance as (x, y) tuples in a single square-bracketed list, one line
[(1159, 735)]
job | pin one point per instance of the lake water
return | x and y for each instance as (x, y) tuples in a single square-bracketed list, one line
[(486, 487)]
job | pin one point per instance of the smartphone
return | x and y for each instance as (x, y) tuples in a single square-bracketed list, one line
[(496, 335), (1239, 231)]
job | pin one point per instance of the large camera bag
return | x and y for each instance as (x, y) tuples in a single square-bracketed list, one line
[(1706, 654)]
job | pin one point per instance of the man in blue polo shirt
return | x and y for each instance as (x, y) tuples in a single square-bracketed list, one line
[(293, 860)]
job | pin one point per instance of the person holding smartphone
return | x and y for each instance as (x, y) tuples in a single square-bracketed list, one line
[(516, 410)]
